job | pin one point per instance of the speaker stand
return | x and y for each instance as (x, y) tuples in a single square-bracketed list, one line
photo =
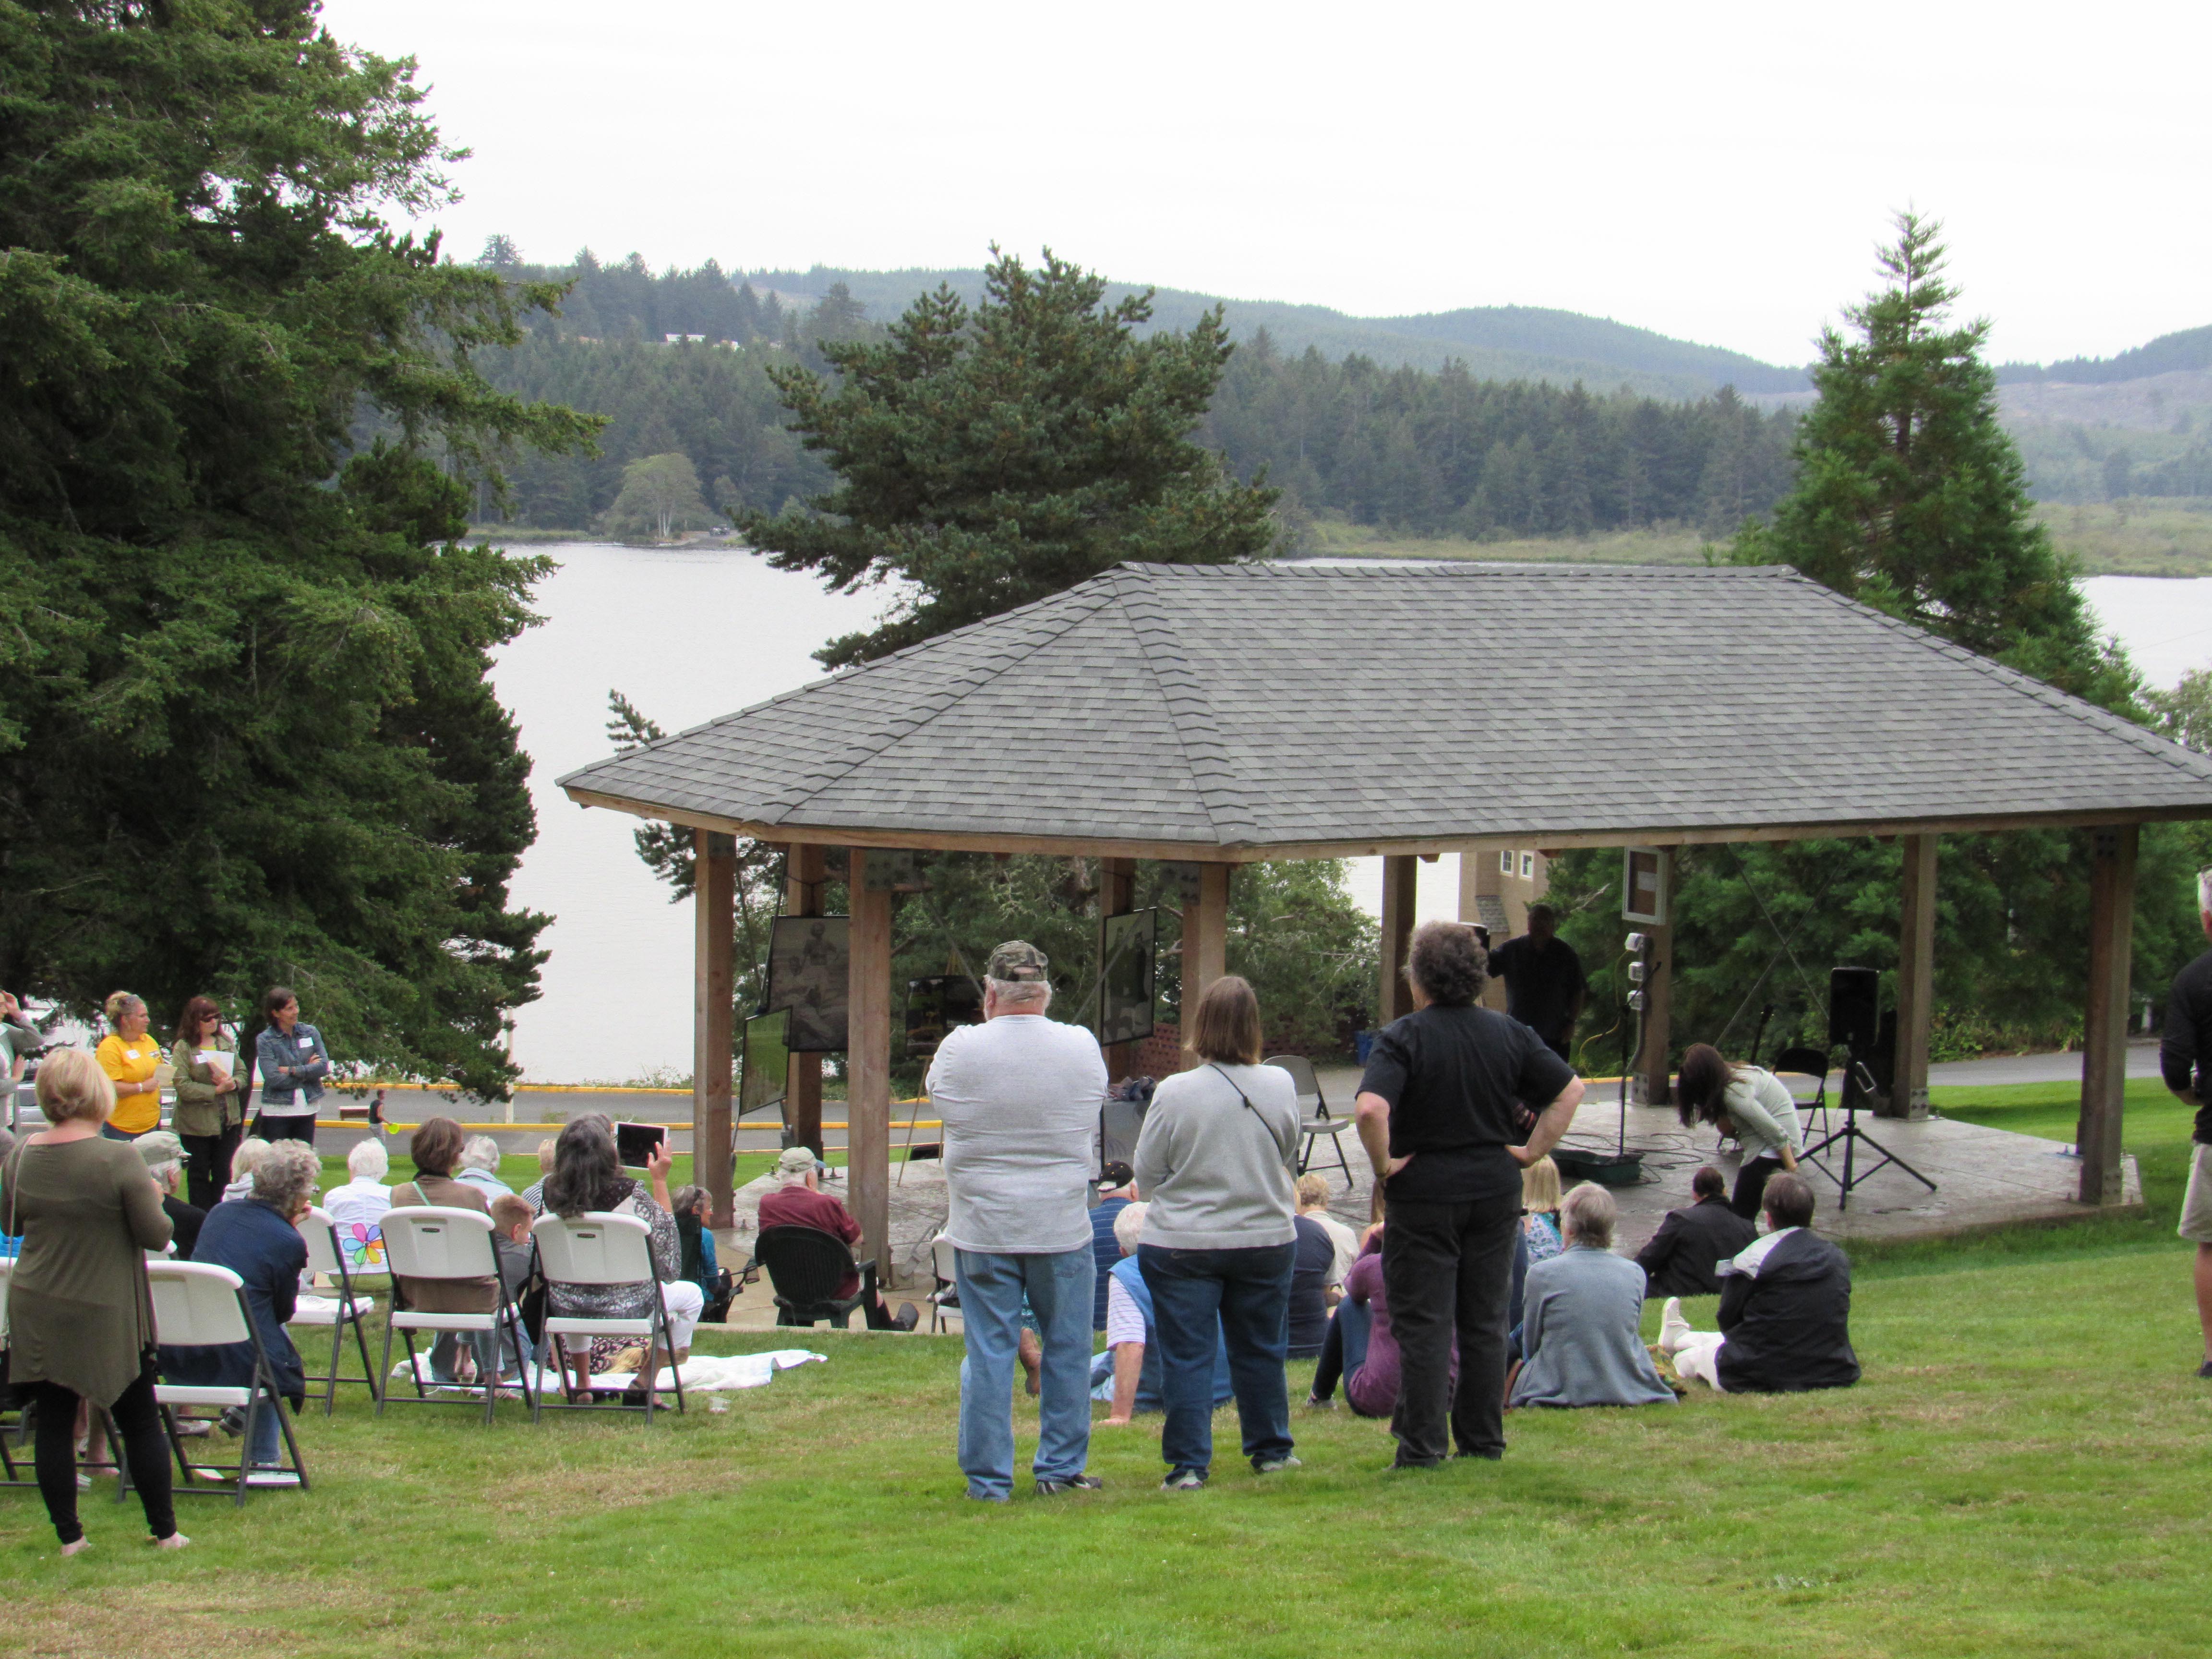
[(1857, 1080)]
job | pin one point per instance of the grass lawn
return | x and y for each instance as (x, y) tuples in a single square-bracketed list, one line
[(2023, 1472)]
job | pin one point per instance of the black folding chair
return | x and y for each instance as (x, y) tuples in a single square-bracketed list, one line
[(805, 1268), (1813, 1063)]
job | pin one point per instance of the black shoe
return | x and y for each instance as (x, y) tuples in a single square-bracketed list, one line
[(1071, 1483), (2205, 1369), (908, 1316), (1487, 1457), (1416, 1463)]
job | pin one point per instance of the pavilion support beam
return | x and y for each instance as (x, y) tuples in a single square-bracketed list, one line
[(805, 874), (2105, 1035), (1205, 945), (1394, 997), (1117, 896), (868, 1067), (1654, 1085), (713, 1014), (1916, 979)]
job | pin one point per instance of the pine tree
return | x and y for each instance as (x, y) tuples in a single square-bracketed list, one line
[(1911, 496), (992, 458)]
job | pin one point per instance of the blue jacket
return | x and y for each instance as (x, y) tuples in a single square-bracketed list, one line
[(267, 1252), (1148, 1378), (304, 1052)]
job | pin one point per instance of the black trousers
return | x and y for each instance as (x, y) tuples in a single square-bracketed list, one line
[(1751, 1186), (301, 1127), (144, 1446), (207, 1165), (1447, 1269)]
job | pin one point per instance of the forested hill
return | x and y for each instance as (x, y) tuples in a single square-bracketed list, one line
[(1496, 343), (2190, 349)]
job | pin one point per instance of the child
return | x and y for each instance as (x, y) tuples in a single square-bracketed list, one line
[(511, 1216)]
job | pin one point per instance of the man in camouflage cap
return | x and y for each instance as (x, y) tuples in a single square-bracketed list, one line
[(1019, 1096)]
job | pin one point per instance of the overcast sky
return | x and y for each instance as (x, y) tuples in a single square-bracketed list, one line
[(1717, 173)]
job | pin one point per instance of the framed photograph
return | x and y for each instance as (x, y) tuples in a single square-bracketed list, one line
[(1127, 949), (935, 1005), (1643, 885), (807, 979), (763, 1063)]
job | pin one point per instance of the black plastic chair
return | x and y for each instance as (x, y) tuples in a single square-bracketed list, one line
[(1813, 1063), (805, 1268)]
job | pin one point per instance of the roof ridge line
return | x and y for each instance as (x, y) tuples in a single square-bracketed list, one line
[(1190, 710), (2136, 735), (936, 703)]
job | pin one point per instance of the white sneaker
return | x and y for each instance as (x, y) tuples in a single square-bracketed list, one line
[(1673, 1330), (273, 1478)]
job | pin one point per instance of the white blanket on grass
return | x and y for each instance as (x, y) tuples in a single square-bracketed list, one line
[(704, 1373)]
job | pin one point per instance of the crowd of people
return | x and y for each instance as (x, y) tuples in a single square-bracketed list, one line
[(1209, 1261)]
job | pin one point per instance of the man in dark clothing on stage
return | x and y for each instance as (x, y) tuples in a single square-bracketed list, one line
[(2185, 1059), (1681, 1255), (1544, 985)]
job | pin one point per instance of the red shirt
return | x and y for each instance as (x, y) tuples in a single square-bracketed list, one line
[(800, 1206)]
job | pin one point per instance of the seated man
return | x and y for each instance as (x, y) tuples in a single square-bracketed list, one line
[(1127, 1376), (164, 1156), (1681, 1255), (800, 1202), (1117, 1187), (1360, 1347), (1580, 1328), (1785, 1310)]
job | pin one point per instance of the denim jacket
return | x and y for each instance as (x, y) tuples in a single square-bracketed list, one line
[(303, 1051)]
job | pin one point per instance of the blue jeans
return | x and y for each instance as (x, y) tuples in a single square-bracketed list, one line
[(266, 1449), (1059, 1286), (1248, 1292), (1344, 1350)]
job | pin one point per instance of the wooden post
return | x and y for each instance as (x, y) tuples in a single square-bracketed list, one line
[(713, 1014), (1916, 979), (1654, 1083), (805, 876), (2104, 1033), (1205, 945), (868, 1067), (1117, 896), (1394, 997)]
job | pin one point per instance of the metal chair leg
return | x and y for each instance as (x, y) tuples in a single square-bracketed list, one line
[(385, 1369)]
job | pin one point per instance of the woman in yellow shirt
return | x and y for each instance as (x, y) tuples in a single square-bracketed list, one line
[(129, 1054)]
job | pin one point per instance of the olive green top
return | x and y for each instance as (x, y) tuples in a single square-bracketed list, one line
[(200, 1110), (78, 1310)]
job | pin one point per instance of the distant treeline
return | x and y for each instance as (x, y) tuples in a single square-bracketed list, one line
[(2190, 349), (1416, 452), (1446, 453)]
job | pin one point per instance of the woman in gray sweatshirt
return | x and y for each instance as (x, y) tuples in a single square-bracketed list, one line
[(1218, 1162)]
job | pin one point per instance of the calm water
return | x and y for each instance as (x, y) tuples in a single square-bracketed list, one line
[(690, 635)]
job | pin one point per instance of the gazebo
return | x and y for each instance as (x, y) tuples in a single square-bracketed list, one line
[(1220, 716)]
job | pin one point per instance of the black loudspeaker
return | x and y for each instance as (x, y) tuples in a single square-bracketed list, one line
[(1853, 1014)]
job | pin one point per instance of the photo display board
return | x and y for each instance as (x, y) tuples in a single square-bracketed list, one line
[(1126, 949), (763, 1063), (808, 959), (935, 1005)]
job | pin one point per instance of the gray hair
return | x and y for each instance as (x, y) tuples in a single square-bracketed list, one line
[(1129, 1226), (2204, 889), (368, 1160), (481, 1153), (287, 1176), (1587, 1215), (1021, 990)]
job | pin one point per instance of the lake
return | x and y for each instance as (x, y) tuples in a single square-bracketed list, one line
[(691, 635)]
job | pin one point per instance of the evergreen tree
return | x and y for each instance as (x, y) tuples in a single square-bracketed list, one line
[(1911, 496), (992, 458), (246, 731)]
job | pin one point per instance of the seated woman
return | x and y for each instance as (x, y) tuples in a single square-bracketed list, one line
[(1360, 1347), (1754, 1106), (1785, 1310), (587, 1176), (1580, 1320), (356, 1207), (259, 1239), (699, 1264), (435, 1149)]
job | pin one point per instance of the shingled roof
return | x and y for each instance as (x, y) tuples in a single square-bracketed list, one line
[(1254, 710)]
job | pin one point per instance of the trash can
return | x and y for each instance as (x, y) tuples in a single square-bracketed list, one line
[(1362, 1044)]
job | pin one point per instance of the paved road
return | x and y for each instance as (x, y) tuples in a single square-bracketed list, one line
[(2142, 1061)]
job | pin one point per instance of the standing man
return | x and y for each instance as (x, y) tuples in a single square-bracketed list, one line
[(1436, 1111), (2185, 1059), (1019, 1096), (1545, 989)]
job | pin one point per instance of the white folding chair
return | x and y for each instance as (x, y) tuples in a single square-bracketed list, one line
[(1314, 1118), (426, 1241), (199, 1306), (942, 1266), (326, 1256), (596, 1250)]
